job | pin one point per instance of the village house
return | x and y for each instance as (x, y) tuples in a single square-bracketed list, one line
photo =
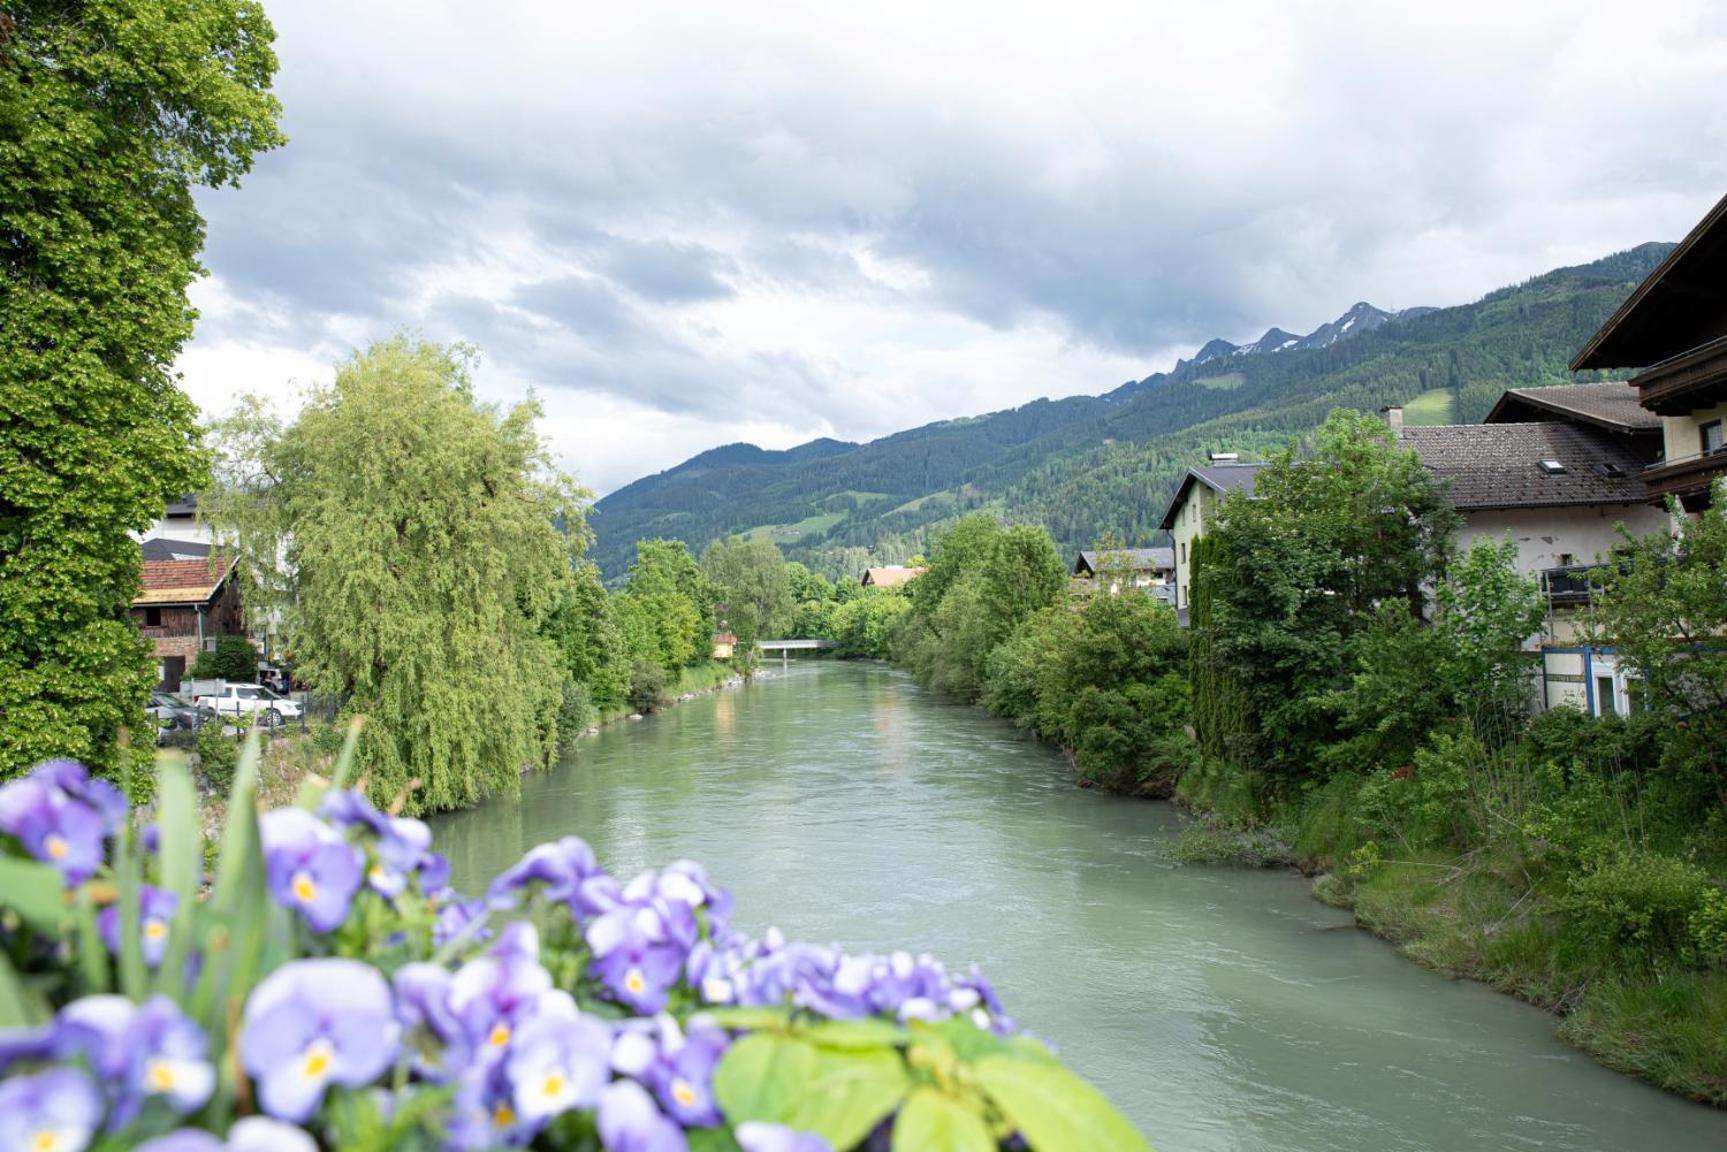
[(1562, 485), (179, 527), (181, 607), (1673, 330), (1194, 505), (890, 576), (1151, 569)]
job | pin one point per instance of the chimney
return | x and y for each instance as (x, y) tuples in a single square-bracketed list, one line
[(1223, 457), (1393, 414)]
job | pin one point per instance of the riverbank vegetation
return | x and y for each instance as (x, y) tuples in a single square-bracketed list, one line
[(1367, 696)]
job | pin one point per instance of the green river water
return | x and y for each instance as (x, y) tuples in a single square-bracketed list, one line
[(1218, 1008)]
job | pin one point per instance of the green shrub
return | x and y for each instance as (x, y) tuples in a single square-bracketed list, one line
[(647, 686), (233, 659), (574, 714), (1709, 927), (217, 756), (1634, 908)]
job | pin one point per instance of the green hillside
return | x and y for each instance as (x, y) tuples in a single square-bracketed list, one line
[(1090, 465)]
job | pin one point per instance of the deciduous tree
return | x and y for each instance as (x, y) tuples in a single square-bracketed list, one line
[(109, 114)]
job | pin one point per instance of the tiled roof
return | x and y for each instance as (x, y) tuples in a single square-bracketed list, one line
[(161, 548), (1611, 404), (1500, 465), (1138, 559), (181, 581), (1220, 478)]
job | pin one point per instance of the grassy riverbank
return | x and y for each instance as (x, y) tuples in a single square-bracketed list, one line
[(1604, 956)]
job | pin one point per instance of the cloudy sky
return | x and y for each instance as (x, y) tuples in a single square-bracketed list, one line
[(686, 225)]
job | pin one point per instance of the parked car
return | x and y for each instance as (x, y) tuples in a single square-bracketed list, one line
[(172, 713), (250, 700)]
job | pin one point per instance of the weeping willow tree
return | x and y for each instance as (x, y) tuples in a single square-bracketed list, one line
[(413, 543)]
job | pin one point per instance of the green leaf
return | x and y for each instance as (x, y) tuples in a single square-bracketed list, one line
[(868, 1032), (181, 859), (711, 1140), (761, 1076), (128, 878), (37, 892), (1053, 1109), (750, 1019), (968, 1041), (342, 777), (92, 949), (18, 1009), (850, 1093), (933, 1121)]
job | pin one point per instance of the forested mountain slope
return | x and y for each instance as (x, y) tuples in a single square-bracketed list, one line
[(1087, 465)]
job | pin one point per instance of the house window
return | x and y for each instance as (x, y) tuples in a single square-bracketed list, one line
[(1711, 434), (1567, 559), (152, 617), (1604, 697), (1184, 551)]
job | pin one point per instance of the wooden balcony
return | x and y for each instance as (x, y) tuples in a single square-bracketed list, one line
[(1689, 478), (1696, 379)]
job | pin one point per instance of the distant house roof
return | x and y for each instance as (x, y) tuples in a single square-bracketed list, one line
[(890, 576), (1540, 465), (183, 506), (164, 549), (1137, 560), (1680, 306), (1609, 404), (181, 581), (1220, 478)]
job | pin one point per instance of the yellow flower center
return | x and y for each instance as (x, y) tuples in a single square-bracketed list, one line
[(500, 1035), (47, 1140), (504, 1116), (155, 929), (160, 1076), (56, 847), (553, 1085), (377, 874), (683, 1093), (634, 981), (317, 1059), (305, 891)]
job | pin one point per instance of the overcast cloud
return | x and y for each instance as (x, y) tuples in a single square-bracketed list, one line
[(684, 225)]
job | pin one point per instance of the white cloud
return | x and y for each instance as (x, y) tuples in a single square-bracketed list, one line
[(688, 224)]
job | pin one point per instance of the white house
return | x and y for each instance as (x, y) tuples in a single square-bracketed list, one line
[(1194, 506)]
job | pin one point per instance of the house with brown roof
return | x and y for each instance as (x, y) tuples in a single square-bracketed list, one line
[(1673, 330), (181, 607), (1559, 488), (1559, 470), (890, 576)]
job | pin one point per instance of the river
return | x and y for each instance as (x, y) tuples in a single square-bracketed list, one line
[(1220, 1009)]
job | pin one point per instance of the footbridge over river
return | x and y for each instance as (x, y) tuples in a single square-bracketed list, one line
[(786, 647)]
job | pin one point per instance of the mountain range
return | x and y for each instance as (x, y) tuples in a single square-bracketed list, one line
[(1086, 466)]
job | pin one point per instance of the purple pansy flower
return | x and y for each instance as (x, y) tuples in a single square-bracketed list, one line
[(262, 1134), (401, 845), (182, 1140), (754, 1136), (629, 1122), (139, 1051), (677, 1066), (53, 1111), (640, 949), (493, 994), (155, 911), (454, 916), (309, 866), (25, 1045), (483, 1116), (73, 781), (433, 1035), (312, 1023), (568, 873), (558, 1060), (54, 827)]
